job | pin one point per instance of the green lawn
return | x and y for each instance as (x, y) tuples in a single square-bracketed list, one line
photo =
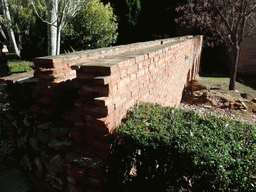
[(17, 65)]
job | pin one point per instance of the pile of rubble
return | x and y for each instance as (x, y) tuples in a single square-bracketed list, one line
[(196, 93)]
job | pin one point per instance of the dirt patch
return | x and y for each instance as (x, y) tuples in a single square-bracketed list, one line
[(215, 94)]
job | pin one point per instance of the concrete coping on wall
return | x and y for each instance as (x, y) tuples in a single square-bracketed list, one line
[(111, 61), (17, 77), (82, 56)]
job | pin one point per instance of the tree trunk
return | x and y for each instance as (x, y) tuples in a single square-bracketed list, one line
[(10, 31), (234, 68), (52, 8), (58, 40)]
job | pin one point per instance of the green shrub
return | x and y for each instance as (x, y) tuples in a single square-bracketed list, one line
[(93, 27), (180, 148)]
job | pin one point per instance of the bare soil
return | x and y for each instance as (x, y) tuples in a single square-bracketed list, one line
[(218, 87)]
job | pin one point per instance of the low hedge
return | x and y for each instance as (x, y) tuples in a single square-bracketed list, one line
[(170, 149)]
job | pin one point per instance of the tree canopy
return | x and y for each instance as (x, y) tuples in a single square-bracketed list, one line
[(93, 27), (229, 21)]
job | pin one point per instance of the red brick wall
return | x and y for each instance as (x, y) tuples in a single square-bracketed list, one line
[(102, 85), (111, 80)]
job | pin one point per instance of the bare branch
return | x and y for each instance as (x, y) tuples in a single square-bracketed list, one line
[(40, 17), (222, 16)]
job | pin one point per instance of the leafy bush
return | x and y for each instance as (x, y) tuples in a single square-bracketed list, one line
[(93, 27), (172, 149)]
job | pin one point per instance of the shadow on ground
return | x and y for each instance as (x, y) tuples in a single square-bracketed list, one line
[(245, 79)]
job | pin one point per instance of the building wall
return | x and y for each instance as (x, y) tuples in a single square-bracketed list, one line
[(247, 60)]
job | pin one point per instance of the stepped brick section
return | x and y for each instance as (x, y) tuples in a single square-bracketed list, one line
[(80, 97), (52, 70), (109, 77), (108, 87)]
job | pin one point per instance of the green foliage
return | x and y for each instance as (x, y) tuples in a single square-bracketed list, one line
[(133, 11), (93, 27), (30, 32), (21, 17), (212, 153), (4, 69)]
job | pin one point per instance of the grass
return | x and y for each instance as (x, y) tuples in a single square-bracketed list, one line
[(17, 65), (181, 150), (224, 82)]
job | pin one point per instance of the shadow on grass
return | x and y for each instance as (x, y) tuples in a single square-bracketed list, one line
[(245, 79), (12, 56)]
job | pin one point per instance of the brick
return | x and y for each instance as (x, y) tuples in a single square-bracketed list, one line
[(98, 111), (135, 91), (99, 70), (133, 84), (47, 62), (103, 101), (123, 82), (83, 75), (122, 92), (115, 77), (165, 49), (133, 76), (102, 80), (120, 103), (139, 58), (151, 55), (140, 73), (102, 90), (105, 120), (132, 69), (156, 58), (129, 104), (146, 62), (127, 62), (123, 72), (45, 100), (113, 87)]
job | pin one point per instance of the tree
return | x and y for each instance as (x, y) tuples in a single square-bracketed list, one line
[(229, 21), (58, 15), (7, 18), (23, 24), (128, 13), (133, 11), (93, 27)]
